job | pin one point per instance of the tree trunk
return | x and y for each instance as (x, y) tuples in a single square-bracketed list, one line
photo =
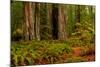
[(26, 21), (37, 21), (77, 13), (29, 21), (55, 21), (49, 19), (61, 23)]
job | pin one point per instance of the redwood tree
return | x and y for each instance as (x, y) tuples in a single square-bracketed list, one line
[(61, 23), (28, 29)]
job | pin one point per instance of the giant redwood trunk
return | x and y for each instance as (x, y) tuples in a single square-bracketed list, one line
[(61, 23), (31, 21), (28, 21)]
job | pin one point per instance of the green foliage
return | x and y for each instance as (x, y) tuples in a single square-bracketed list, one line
[(16, 15), (17, 34), (70, 26), (83, 35), (29, 52), (87, 14)]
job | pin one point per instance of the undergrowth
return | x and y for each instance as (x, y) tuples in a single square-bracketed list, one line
[(32, 52)]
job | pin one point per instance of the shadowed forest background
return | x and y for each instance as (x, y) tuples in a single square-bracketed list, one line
[(50, 33)]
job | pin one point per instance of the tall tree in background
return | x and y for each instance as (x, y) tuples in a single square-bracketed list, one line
[(77, 13), (70, 19), (61, 23), (55, 21), (26, 22), (33, 16), (49, 19), (37, 21), (45, 21), (31, 21)]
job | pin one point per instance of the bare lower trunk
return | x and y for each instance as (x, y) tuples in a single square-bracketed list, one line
[(37, 21), (61, 23), (26, 22), (29, 21), (49, 19)]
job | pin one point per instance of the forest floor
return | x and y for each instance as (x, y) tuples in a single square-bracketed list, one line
[(48, 52), (88, 57)]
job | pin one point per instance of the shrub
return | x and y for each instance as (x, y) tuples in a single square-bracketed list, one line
[(17, 35), (83, 35)]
